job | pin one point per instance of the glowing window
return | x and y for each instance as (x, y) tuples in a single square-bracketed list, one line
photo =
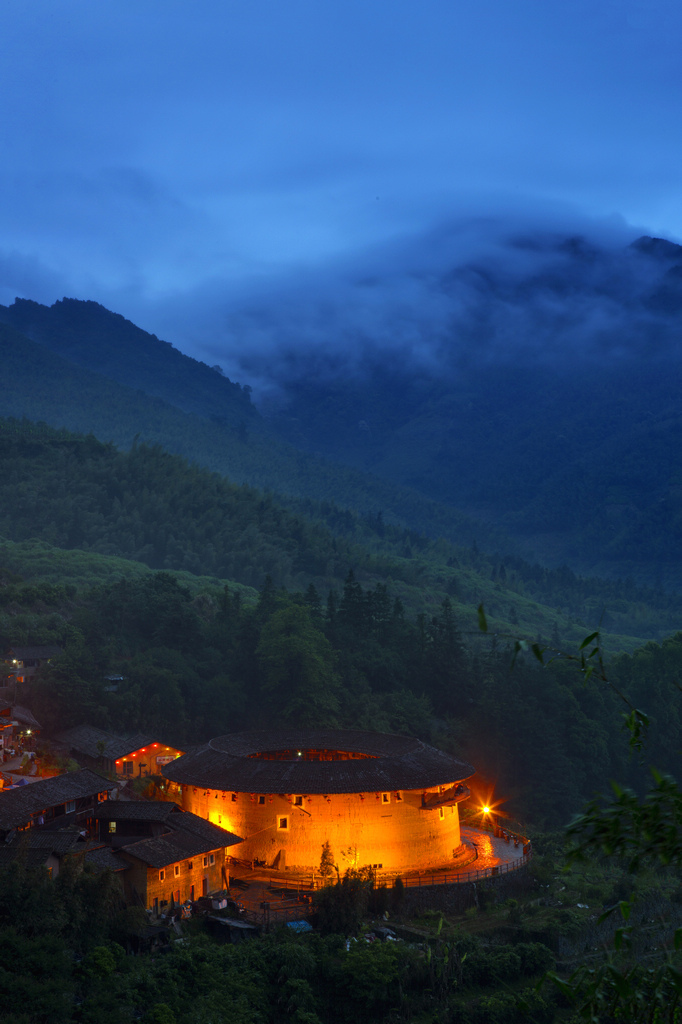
[(386, 798), (112, 826), (283, 823)]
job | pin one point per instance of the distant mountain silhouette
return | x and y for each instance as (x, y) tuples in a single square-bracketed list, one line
[(562, 425), (42, 386), (92, 337), (561, 429)]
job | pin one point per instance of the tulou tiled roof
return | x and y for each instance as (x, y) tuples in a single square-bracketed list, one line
[(190, 836), (388, 763), (17, 805)]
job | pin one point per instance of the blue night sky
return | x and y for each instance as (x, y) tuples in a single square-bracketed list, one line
[(177, 161)]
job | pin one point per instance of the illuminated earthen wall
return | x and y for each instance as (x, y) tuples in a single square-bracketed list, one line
[(288, 831)]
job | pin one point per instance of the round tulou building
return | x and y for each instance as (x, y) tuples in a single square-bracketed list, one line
[(390, 802)]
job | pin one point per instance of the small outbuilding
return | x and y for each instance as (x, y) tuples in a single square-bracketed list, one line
[(127, 756)]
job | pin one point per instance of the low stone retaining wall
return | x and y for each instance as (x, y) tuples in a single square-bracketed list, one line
[(458, 897)]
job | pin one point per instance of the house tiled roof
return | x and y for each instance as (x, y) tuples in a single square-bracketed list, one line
[(18, 714), (136, 810), (386, 763), (85, 739), (57, 842), (34, 847), (204, 830), (17, 806), (25, 717), (190, 837), (104, 859), (35, 653)]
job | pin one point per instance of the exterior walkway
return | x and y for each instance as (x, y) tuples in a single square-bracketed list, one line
[(491, 855), (266, 903), (492, 852), (10, 769), (271, 897)]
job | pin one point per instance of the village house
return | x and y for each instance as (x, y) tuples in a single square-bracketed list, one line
[(172, 855), (24, 662), (55, 803), (127, 756), (41, 848), (17, 727)]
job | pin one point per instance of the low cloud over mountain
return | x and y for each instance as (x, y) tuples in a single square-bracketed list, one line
[(478, 291)]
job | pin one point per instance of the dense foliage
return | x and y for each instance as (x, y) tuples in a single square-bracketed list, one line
[(338, 647), (42, 385), (63, 951), (147, 505), (203, 662)]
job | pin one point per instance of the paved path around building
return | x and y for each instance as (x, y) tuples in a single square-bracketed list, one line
[(11, 768), (257, 887), (491, 851), (259, 891)]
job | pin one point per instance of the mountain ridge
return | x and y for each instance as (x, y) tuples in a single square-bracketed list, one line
[(567, 461)]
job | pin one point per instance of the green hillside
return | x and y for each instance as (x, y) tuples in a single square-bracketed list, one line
[(147, 505), (43, 565), (45, 387), (580, 465), (199, 658), (93, 338)]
